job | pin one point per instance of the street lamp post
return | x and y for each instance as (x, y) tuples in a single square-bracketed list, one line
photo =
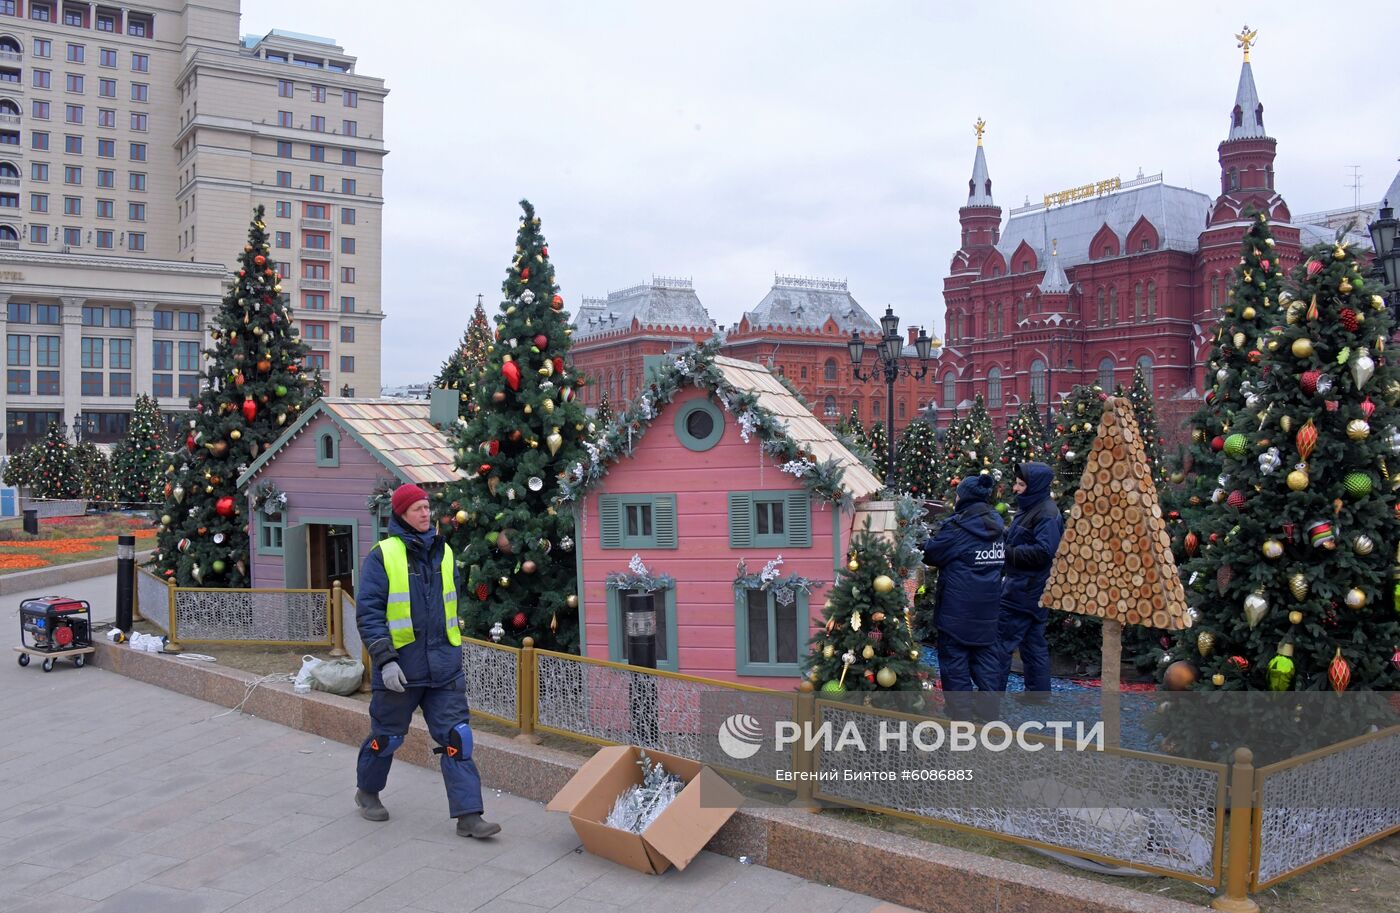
[(1387, 266), (891, 368)]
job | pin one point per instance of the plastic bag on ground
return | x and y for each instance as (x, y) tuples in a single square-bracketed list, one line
[(301, 683), (338, 676)]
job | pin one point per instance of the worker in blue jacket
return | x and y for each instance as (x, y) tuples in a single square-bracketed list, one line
[(1031, 543), (407, 617), (967, 549)]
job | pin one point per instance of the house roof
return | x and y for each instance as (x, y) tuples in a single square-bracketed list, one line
[(665, 302), (396, 432), (795, 302), (802, 426)]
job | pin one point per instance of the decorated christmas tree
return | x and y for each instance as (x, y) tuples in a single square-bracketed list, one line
[(867, 643), (878, 442), (1025, 439), (916, 460), (19, 467), (253, 388), (1075, 429), (514, 544), (1291, 574), (468, 360), (139, 460), (54, 472), (94, 472), (604, 416), (851, 427), (970, 446)]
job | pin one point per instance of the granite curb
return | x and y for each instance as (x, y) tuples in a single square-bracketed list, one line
[(888, 867)]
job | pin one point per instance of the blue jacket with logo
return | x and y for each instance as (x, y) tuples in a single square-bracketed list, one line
[(968, 551), (429, 661), (1031, 542)]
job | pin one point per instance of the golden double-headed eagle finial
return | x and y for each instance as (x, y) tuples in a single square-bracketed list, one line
[(1246, 37), (979, 128)]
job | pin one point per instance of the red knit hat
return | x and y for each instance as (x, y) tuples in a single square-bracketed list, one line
[(405, 496)]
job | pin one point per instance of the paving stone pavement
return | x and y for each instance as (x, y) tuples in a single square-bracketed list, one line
[(121, 797)]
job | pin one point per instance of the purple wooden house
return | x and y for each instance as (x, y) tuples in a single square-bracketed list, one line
[(308, 494)]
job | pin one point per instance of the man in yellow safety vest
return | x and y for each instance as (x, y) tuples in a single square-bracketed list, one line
[(407, 617)]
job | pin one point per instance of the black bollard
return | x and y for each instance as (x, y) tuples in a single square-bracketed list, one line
[(31, 521), (126, 580), (640, 623)]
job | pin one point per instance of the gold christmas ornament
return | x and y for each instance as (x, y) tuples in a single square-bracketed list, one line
[(571, 601), (1247, 313), (1295, 617), (1298, 586), (1362, 545), (853, 565), (1205, 643), (868, 652), (828, 651), (886, 678), (1356, 598), (1302, 347), (461, 516), (1298, 480), (883, 584), (554, 440), (1217, 679), (1272, 548), (1358, 429), (855, 620)]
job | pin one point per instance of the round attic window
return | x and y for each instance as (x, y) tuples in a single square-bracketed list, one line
[(699, 424)]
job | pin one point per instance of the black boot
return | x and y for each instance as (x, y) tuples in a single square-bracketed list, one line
[(474, 826), (371, 809)]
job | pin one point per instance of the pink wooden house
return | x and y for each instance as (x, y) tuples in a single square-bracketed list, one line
[(693, 500), (327, 465)]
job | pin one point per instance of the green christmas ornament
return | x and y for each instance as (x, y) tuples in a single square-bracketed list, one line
[(1235, 446), (1281, 669), (281, 390), (1357, 484), (834, 687), (218, 565)]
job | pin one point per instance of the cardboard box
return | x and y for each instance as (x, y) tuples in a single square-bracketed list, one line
[(676, 836)]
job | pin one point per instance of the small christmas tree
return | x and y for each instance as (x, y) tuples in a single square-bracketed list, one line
[(916, 460), (1145, 411), (969, 447), (138, 460), (526, 429), (878, 442), (604, 416), (54, 472), (867, 643), (94, 472), (1025, 439), (467, 361), (253, 389), (19, 467), (1075, 428), (851, 427)]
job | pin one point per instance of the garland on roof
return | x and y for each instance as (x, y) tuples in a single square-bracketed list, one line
[(697, 367), (784, 589)]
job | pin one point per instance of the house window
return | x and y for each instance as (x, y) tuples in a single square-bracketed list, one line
[(350, 98), (1151, 299), (140, 63), (1103, 307), (829, 407), (328, 449), (1137, 303), (759, 519), (665, 602), (347, 245), (1038, 380), (284, 179), (348, 157), (271, 529), (770, 634), (137, 180), (637, 521), (1106, 374), (284, 88), (347, 216), (284, 209), (318, 93), (994, 388)]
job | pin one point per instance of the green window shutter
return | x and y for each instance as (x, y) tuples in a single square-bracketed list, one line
[(610, 521), (663, 521), (740, 520), (799, 519)]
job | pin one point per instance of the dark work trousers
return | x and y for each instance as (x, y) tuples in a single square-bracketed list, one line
[(1026, 632), (390, 713), (960, 667)]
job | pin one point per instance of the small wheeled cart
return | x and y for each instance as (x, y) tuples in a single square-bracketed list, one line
[(55, 627)]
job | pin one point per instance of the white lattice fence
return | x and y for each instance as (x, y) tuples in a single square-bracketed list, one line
[(493, 680), (300, 617), (153, 600)]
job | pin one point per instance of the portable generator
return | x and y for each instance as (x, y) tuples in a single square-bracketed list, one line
[(55, 625)]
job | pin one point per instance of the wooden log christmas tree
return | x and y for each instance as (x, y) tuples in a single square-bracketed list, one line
[(1115, 560)]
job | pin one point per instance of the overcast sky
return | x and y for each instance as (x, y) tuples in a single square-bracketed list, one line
[(726, 141)]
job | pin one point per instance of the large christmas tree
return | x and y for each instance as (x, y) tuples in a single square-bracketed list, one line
[(53, 472), (467, 361), (1025, 439), (969, 447), (867, 643), (253, 388), (1292, 575), (138, 460), (916, 460), (527, 427)]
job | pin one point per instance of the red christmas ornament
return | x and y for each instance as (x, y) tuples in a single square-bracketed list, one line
[(1395, 660), (1367, 407), (870, 675), (1339, 673), (493, 447), (250, 409), (189, 442), (558, 365), (1217, 443), (519, 621), (1192, 542), (544, 251), (1309, 381), (293, 367), (259, 260), (1348, 318), (1264, 265), (511, 371), (541, 341), (557, 303), (224, 507), (482, 592), (1174, 515), (1240, 663), (1236, 499), (1313, 268), (525, 274), (483, 469)]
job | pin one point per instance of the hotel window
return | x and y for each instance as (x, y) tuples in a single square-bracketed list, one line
[(318, 123), (282, 239), (107, 88), (38, 234), (347, 186), (140, 63), (284, 118), (313, 301), (347, 334), (39, 171), (73, 237), (139, 121), (94, 317), (318, 93), (347, 364), (41, 79), (350, 127), (43, 47), (317, 182), (137, 180), (162, 385), (38, 202), (347, 275), (138, 152), (48, 383), (163, 355), (72, 174), (75, 15), (76, 53), (284, 149), (347, 304), (38, 140), (315, 153), (314, 269), (136, 240), (347, 216), (106, 177), (315, 361), (189, 321), (189, 356), (91, 352), (47, 351), (40, 110), (189, 385), (138, 27), (314, 331), (140, 91), (351, 98), (9, 201), (104, 239), (73, 145), (73, 114), (105, 209), (284, 209), (119, 384), (136, 212), (347, 157), (347, 245), (106, 148), (119, 353), (107, 23), (315, 211), (17, 312), (284, 179), (284, 88), (315, 240), (74, 83), (92, 383), (17, 382), (17, 350), (163, 320)]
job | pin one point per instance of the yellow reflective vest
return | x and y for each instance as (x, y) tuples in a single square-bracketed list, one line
[(397, 610)]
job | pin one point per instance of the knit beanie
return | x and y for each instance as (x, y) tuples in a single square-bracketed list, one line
[(405, 496), (975, 488)]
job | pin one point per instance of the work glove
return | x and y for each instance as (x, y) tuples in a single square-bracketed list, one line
[(393, 676)]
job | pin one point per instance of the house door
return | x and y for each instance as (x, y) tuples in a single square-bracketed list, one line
[(331, 556)]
